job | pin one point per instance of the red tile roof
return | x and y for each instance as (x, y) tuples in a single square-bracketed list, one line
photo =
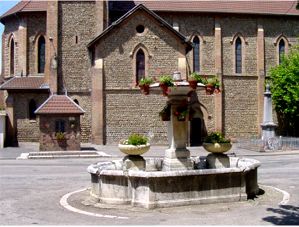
[(24, 83), (26, 6), (275, 7), (59, 104)]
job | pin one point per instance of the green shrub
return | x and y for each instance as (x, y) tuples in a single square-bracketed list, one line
[(167, 80), (136, 139), (146, 81), (216, 137)]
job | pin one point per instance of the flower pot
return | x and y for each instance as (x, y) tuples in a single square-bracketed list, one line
[(217, 147), (164, 88), (210, 89), (145, 89), (193, 84), (134, 150)]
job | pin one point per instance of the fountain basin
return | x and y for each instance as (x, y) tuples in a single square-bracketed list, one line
[(152, 188)]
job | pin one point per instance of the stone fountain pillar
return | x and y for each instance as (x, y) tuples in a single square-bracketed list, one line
[(268, 126), (177, 156)]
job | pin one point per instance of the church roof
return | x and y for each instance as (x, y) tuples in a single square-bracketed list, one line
[(25, 83), (129, 14), (267, 7), (26, 6), (59, 104)]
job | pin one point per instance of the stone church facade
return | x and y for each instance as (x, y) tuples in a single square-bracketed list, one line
[(90, 49)]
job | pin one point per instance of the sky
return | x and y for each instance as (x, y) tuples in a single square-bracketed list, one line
[(4, 6)]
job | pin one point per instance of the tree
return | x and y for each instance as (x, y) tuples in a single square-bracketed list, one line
[(284, 79)]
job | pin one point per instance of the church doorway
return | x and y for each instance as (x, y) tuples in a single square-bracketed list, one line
[(195, 132)]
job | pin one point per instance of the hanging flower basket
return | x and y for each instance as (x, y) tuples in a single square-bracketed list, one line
[(210, 89), (144, 88), (181, 112), (165, 113), (193, 84)]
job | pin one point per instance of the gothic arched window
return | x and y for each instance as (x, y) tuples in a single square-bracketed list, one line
[(32, 108), (41, 54), (196, 54), (12, 57), (238, 55), (140, 65), (281, 50)]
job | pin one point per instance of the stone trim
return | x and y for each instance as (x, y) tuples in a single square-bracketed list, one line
[(201, 42), (233, 43), (147, 56), (36, 39), (276, 43)]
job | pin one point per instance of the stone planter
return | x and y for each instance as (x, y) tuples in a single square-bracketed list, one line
[(217, 147), (134, 150)]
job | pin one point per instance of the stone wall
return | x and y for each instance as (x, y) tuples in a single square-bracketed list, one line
[(77, 27), (240, 106), (117, 51), (48, 140), (202, 26), (274, 27), (27, 130), (85, 102), (36, 26)]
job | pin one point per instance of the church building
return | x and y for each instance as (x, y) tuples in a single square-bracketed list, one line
[(96, 52)]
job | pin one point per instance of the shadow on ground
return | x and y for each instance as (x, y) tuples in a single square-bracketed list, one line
[(284, 215)]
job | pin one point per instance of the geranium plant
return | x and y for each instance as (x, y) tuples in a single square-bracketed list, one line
[(144, 84)]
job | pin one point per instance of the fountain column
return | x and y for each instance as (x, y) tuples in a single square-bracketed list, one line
[(177, 156), (268, 126)]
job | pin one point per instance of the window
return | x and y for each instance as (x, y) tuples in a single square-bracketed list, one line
[(238, 55), (196, 64), (59, 126), (76, 101), (281, 50), (140, 65), (140, 29), (41, 54), (32, 108), (12, 56)]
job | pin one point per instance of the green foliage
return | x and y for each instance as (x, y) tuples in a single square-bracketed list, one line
[(196, 76), (136, 139), (284, 81), (146, 81), (167, 80), (60, 135), (216, 137), (214, 81)]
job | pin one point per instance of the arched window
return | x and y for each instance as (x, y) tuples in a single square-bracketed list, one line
[(196, 54), (41, 54), (76, 101), (281, 50), (32, 108), (12, 56), (140, 65), (238, 55)]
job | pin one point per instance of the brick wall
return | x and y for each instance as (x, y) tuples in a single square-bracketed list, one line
[(240, 106), (27, 130), (48, 140)]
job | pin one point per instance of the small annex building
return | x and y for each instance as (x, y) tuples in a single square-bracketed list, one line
[(59, 122)]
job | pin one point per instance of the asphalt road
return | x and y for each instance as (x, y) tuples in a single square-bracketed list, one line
[(31, 191)]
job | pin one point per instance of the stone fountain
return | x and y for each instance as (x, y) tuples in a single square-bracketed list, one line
[(176, 179)]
